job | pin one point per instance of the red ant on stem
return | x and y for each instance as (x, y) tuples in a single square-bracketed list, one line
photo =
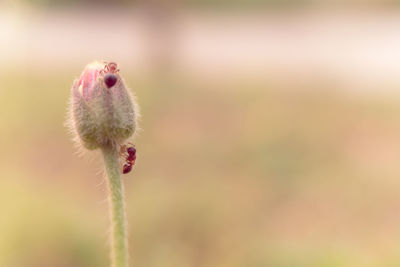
[(130, 158)]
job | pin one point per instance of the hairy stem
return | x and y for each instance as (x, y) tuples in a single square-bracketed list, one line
[(119, 244)]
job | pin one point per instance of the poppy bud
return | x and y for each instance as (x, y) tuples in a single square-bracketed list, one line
[(102, 110)]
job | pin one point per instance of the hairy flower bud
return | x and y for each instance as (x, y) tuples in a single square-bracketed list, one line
[(103, 111)]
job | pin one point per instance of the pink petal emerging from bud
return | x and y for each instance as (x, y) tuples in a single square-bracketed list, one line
[(88, 79)]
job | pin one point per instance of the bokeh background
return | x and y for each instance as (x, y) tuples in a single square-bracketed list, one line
[(270, 133)]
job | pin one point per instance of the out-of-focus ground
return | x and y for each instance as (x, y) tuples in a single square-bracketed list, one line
[(270, 137)]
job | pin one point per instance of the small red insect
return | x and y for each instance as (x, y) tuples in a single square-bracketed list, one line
[(130, 159), (109, 71), (111, 67)]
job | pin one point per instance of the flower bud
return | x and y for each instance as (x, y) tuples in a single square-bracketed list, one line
[(103, 112)]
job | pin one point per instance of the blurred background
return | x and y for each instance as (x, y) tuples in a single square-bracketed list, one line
[(270, 132)]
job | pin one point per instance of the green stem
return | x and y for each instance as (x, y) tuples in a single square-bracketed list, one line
[(119, 243)]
